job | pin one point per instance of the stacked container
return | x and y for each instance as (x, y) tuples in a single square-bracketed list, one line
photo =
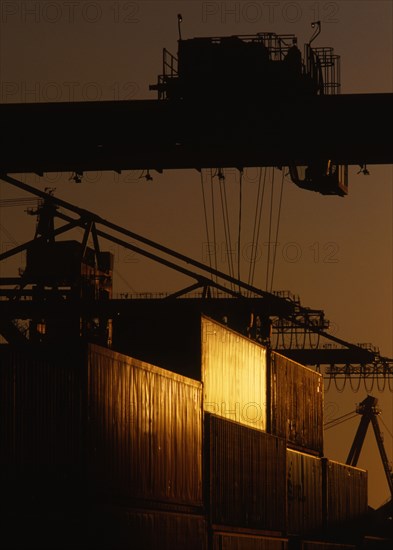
[(296, 404), (245, 476), (345, 493), (234, 376), (304, 493), (230, 461), (249, 484), (90, 429), (243, 382)]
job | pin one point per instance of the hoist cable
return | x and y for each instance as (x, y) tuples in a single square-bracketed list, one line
[(206, 221), (227, 230), (240, 226), (270, 231), (254, 235), (277, 230), (214, 222)]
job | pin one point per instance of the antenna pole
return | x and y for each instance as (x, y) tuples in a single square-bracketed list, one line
[(317, 31), (179, 21)]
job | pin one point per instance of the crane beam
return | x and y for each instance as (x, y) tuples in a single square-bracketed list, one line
[(329, 356), (161, 134)]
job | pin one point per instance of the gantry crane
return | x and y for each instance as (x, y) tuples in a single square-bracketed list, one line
[(234, 101), (369, 411), (237, 101), (71, 281)]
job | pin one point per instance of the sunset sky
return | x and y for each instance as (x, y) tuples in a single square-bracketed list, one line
[(335, 253)]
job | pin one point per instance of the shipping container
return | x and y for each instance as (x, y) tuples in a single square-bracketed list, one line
[(145, 430), (326, 545), (35, 529), (42, 447), (233, 375), (304, 493), (245, 470), (296, 404), (167, 333), (140, 529), (43, 418), (237, 541), (73, 416), (240, 381), (345, 493), (377, 542)]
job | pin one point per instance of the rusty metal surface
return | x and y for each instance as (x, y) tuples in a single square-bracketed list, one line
[(235, 541), (345, 493), (296, 404), (246, 476), (233, 375), (139, 529), (145, 429), (304, 493)]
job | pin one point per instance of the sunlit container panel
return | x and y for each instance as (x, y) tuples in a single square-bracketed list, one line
[(145, 426), (296, 404), (304, 493), (233, 375), (236, 541), (246, 480), (345, 493)]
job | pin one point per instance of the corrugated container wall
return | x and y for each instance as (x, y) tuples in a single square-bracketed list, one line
[(133, 529), (304, 493), (234, 541), (296, 404), (345, 493), (323, 545), (246, 476), (145, 427), (233, 375), (42, 425)]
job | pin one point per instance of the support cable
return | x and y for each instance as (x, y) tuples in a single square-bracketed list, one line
[(386, 428), (327, 427), (339, 418)]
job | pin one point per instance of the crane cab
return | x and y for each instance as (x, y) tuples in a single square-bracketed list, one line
[(250, 71)]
